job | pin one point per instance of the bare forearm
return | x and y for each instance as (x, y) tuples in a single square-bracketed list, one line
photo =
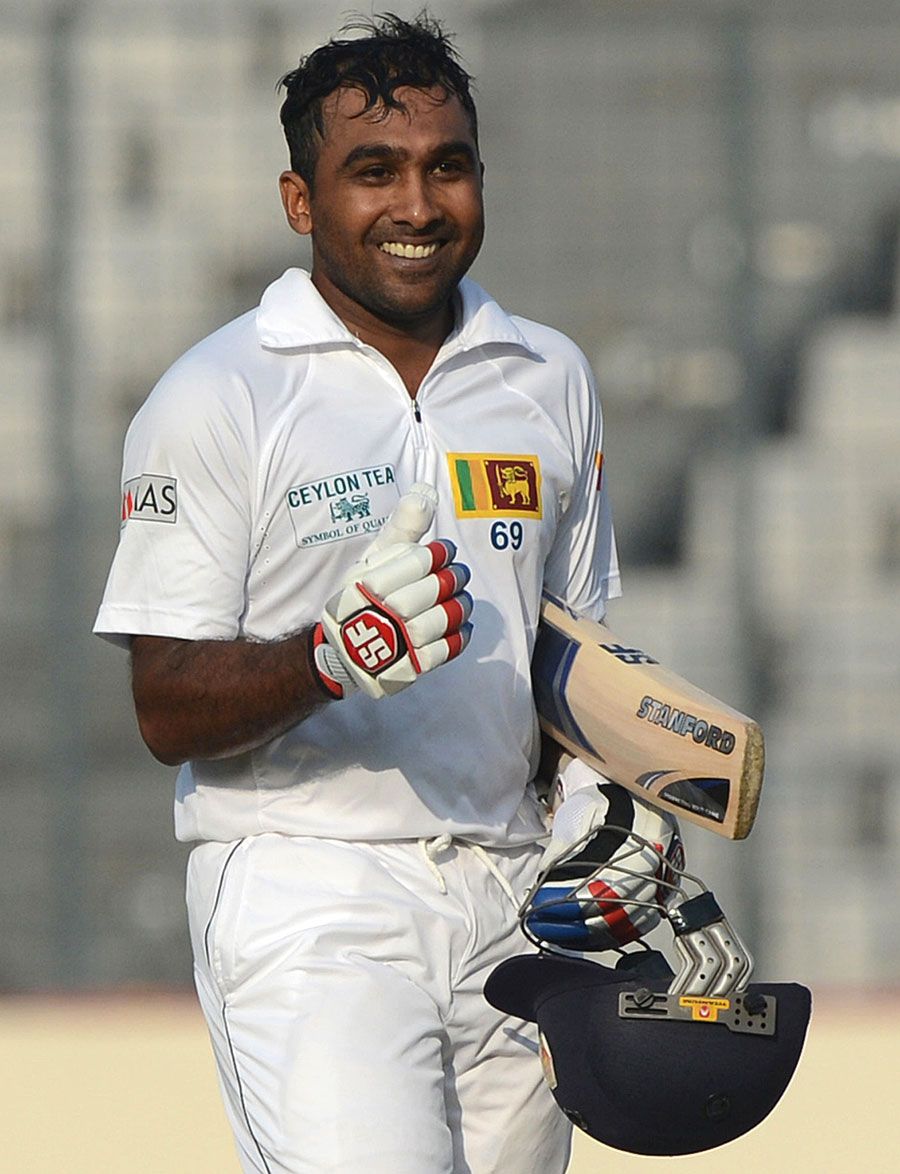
[(199, 699)]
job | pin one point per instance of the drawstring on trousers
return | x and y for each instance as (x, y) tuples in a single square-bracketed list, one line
[(433, 846)]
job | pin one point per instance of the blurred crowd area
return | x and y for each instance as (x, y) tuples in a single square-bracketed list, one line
[(704, 194)]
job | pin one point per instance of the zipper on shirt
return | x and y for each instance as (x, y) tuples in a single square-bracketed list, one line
[(418, 430), (394, 376)]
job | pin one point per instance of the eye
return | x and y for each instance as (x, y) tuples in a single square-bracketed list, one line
[(374, 173), (449, 167)]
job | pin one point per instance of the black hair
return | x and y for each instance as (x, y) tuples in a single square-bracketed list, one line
[(391, 53)]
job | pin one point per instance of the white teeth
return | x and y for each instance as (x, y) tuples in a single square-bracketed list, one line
[(411, 252)]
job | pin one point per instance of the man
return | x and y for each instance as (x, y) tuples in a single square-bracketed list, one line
[(358, 780)]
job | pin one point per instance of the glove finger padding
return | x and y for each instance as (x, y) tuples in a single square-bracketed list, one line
[(605, 873), (414, 598), (443, 620), (402, 612), (395, 569)]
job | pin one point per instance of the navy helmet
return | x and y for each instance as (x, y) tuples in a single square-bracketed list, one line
[(648, 1071)]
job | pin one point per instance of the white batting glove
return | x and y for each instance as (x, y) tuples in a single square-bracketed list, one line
[(401, 610), (599, 886)]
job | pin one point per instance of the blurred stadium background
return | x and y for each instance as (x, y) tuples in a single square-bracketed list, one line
[(706, 195)]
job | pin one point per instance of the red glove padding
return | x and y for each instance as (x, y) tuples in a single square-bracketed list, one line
[(402, 611)]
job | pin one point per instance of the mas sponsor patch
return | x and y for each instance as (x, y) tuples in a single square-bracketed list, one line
[(358, 501), (150, 498), (496, 485)]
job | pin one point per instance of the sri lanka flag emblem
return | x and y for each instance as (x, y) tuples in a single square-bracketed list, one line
[(495, 485)]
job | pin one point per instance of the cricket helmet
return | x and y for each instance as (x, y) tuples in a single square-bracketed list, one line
[(647, 1060)]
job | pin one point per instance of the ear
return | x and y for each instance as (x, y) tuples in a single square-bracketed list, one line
[(295, 200)]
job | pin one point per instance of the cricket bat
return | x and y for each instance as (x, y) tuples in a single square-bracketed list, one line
[(645, 727)]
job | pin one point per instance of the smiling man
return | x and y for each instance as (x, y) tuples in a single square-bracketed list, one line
[(349, 699), (394, 207)]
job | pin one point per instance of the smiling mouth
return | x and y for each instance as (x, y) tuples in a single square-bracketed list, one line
[(409, 252)]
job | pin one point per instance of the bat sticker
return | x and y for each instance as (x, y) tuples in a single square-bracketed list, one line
[(554, 655), (706, 797)]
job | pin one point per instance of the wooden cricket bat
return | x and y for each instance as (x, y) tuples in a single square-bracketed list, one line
[(645, 727)]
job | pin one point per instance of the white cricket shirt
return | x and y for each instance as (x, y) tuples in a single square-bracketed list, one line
[(256, 473)]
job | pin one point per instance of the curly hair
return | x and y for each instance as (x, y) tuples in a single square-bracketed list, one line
[(392, 53)]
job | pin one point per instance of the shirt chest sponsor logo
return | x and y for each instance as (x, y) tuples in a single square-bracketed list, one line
[(150, 498), (496, 485), (354, 502)]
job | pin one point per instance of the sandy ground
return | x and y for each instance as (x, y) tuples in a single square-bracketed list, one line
[(125, 1085)]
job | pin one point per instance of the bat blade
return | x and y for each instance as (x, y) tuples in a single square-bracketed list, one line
[(645, 727)]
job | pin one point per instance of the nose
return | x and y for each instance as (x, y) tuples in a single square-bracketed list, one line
[(414, 203)]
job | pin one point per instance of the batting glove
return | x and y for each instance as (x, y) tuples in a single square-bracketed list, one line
[(605, 873), (401, 610)]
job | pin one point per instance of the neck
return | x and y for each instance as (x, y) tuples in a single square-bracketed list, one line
[(410, 345)]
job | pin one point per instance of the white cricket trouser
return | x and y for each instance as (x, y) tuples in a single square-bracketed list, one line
[(342, 984)]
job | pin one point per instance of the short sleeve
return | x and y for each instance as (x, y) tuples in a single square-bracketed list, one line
[(582, 568), (180, 568)]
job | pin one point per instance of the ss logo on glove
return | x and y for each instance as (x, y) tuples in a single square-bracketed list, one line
[(372, 640)]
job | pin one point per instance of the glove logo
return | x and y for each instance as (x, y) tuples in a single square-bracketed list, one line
[(372, 641)]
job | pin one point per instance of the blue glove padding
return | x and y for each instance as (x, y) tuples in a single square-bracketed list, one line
[(563, 921), (603, 890)]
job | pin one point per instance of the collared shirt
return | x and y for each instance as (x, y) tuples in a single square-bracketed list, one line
[(255, 475)]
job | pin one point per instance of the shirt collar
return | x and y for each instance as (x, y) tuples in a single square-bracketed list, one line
[(483, 321), (292, 314)]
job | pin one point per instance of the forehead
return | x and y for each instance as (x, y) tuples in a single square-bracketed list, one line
[(428, 117)]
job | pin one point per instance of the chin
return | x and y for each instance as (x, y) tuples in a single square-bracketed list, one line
[(409, 314), (415, 305)]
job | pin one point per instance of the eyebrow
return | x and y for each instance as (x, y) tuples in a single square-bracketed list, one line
[(386, 153)]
